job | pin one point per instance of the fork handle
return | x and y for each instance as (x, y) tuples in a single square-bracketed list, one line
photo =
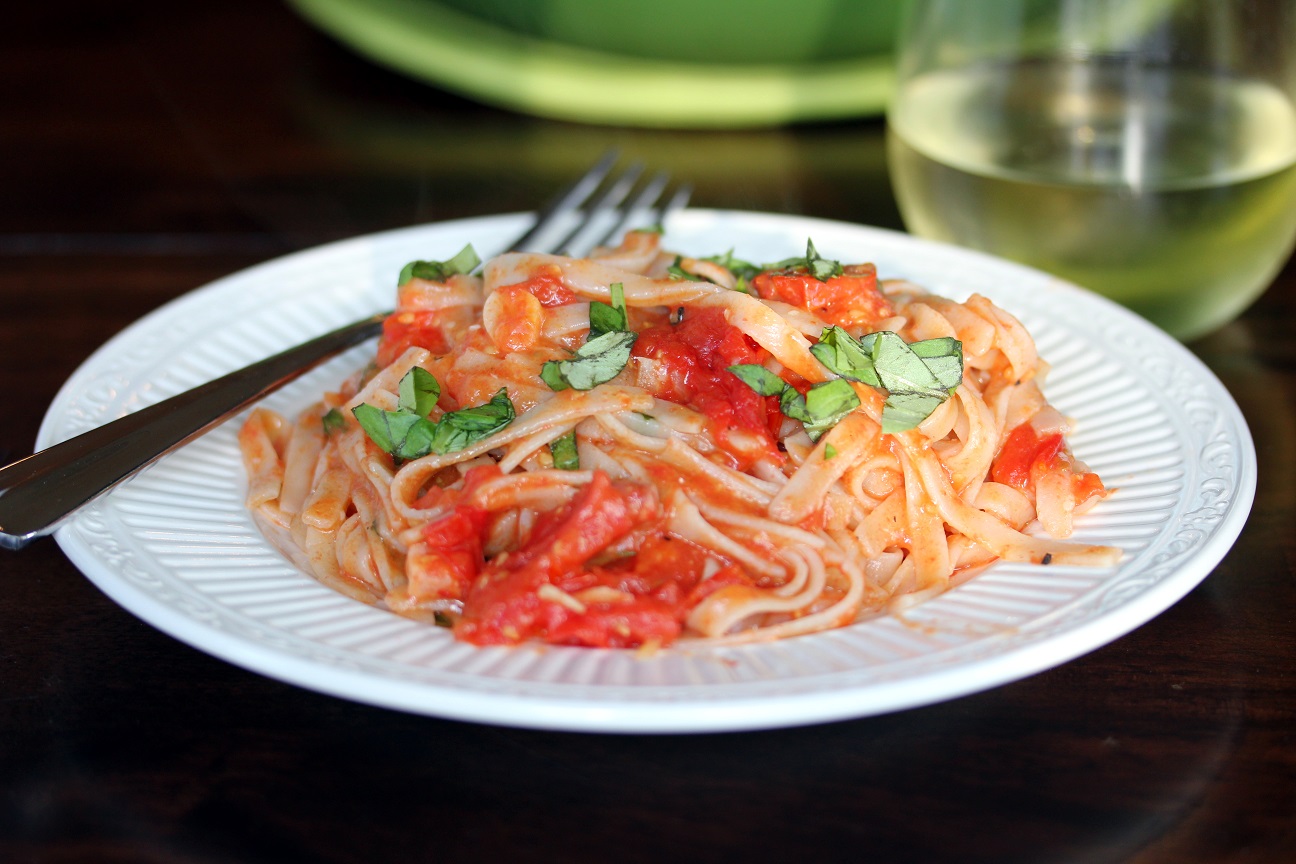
[(38, 492)]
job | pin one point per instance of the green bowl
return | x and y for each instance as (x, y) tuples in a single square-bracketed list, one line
[(741, 32), (682, 63)]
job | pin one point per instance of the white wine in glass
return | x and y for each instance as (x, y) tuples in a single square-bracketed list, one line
[(1115, 157)]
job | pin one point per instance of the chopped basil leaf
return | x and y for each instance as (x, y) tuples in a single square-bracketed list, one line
[(944, 357), (829, 452), (793, 404), (438, 271), (844, 356), (815, 264), (823, 406), (655, 228), (605, 318), (403, 434), (901, 370), (418, 391), (596, 362), (333, 421), (551, 374), (904, 411), (826, 404), (563, 450), (760, 379), (675, 271), (918, 377), (821, 268), (465, 427), (744, 270), (406, 435)]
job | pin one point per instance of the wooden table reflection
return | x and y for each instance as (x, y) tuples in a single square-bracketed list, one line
[(149, 151)]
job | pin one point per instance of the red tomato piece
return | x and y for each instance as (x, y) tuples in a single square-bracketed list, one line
[(1013, 464), (668, 566), (503, 607), (546, 285), (403, 330), (644, 620), (695, 355), (452, 557), (1026, 454), (849, 300), (663, 585), (445, 568)]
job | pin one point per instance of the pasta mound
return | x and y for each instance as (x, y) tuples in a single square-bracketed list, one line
[(637, 447)]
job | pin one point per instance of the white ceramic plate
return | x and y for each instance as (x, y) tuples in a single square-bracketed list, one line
[(176, 547)]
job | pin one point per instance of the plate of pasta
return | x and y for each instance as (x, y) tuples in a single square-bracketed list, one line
[(744, 472)]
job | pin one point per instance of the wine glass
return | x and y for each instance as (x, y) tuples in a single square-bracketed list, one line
[(1145, 149)]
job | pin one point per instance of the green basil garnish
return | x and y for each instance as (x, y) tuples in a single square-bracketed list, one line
[(815, 264), (596, 362), (918, 377), (845, 356), (403, 434), (333, 421), (438, 271), (563, 450), (407, 433), (465, 427), (418, 391), (609, 318), (760, 379), (821, 408)]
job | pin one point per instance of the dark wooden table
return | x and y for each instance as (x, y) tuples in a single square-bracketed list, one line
[(146, 151)]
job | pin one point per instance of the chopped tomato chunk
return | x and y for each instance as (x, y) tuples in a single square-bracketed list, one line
[(639, 621), (451, 554), (695, 356), (445, 567), (514, 318), (849, 300), (404, 330), (1026, 454), (504, 605), (547, 286)]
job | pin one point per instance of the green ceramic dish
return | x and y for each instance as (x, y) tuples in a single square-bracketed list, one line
[(766, 62)]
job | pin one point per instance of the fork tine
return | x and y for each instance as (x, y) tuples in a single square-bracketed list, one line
[(611, 197), (598, 198), (678, 201), (643, 199), (568, 199)]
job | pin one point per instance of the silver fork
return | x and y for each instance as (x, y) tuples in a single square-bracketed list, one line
[(38, 492)]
